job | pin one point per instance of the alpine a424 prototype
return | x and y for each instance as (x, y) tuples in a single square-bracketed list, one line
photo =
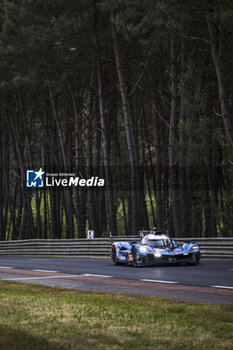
[(155, 248)]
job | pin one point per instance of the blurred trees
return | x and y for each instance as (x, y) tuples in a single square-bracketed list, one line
[(137, 92)]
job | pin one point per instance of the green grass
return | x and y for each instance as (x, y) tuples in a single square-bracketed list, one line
[(43, 318)]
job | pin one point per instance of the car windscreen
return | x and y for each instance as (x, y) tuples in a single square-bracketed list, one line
[(156, 243)]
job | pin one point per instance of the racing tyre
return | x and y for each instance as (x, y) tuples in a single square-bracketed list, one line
[(135, 259), (114, 259), (195, 260)]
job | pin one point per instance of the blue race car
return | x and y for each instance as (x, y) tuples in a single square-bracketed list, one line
[(155, 248)]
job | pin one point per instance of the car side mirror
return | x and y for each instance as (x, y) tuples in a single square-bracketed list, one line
[(175, 244)]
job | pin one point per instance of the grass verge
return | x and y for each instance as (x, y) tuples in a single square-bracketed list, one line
[(43, 318)]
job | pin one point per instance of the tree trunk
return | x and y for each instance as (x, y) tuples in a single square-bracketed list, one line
[(28, 230), (185, 213), (133, 152), (173, 162), (68, 191), (158, 164), (2, 231), (92, 210), (105, 144), (80, 194), (226, 110)]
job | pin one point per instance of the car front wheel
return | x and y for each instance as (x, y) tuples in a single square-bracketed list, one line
[(114, 258), (195, 260), (135, 259)]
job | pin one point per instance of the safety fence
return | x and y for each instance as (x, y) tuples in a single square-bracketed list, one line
[(216, 248)]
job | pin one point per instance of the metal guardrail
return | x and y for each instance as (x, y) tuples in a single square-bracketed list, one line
[(216, 248)]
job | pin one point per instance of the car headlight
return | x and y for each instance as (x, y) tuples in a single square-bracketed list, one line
[(122, 257), (195, 248), (144, 250), (157, 255)]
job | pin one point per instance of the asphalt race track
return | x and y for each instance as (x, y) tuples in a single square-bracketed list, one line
[(209, 282)]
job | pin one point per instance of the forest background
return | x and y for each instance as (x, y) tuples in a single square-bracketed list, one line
[(138, 92)]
